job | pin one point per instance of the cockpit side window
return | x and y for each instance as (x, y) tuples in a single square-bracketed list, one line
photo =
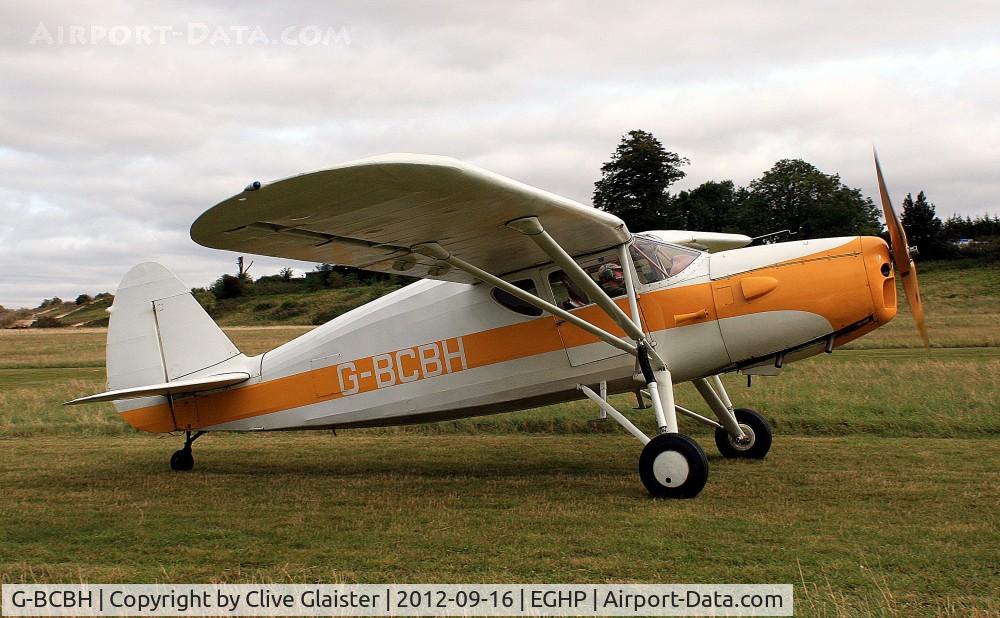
[(656, 261), (606, 273), (514, 303)]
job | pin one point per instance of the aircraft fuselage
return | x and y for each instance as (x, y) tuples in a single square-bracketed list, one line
[(437, 350)]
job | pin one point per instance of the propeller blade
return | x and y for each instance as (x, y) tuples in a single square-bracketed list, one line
[(912, 289), (900, 251), (898, 245)]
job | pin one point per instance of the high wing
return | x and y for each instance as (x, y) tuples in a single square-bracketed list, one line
[(712, 242), (369, 213)]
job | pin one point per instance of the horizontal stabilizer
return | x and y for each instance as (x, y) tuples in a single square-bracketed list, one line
[(177, 387)]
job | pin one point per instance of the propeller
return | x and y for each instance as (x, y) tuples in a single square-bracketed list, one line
[(902, 256)]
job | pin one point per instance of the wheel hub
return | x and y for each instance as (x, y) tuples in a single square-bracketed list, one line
[(671, 468), (745, 443)]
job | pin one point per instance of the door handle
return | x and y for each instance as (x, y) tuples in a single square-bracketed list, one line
[(681, 318)]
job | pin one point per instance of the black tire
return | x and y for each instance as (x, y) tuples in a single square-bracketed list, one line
[(760, 436), (182, 460), (651, 466)]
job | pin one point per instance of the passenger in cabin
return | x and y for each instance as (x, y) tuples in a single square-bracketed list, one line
[(611, 278)]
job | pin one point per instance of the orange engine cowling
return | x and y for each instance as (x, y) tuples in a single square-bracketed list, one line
[(881, 278), (802, 292)]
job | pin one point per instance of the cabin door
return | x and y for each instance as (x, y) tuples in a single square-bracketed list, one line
[(582, 347)]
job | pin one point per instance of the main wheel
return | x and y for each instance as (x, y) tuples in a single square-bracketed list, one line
[(673, 465), (182, 460), (757, 441)]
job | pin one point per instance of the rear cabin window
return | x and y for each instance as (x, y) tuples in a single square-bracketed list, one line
[(514, 303), (656, 261)]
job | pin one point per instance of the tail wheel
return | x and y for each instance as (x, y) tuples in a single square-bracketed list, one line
[(182, 460), (757, 437), (673, 465)]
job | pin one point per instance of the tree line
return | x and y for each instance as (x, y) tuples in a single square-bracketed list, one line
[(792, 195)]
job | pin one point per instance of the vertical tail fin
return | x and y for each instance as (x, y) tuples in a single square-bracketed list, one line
[(158, 332)]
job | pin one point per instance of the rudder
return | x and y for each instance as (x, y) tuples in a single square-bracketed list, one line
[(158, 332)]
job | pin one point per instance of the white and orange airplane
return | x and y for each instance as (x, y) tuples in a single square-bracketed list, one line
[(527, 298)]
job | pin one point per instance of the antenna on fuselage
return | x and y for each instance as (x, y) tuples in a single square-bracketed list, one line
[(756, 238)]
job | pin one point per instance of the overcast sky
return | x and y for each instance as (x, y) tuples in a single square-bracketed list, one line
[(121, 122)]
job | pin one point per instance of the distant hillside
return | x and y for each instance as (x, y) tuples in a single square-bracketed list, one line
[(295, 304), (282, 299), (54, 313), (303, 306)]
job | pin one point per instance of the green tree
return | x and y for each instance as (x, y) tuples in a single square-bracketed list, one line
[(634, 183), (706, 208), (326, 274), (83, 299), (923, 228), (228, 286), (286, 274), (957, 227), (205, 298), (794, 195), (981, 228)]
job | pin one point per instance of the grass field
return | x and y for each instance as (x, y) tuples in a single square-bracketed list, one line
[(880, 496), (861, 525)]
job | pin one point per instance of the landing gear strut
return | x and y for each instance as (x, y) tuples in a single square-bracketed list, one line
[(671, 465), (183, 460)]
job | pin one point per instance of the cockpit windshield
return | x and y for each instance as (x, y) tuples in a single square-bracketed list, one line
[(655, 261)]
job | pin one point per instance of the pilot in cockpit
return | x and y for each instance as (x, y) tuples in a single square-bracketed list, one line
[(611, 278)]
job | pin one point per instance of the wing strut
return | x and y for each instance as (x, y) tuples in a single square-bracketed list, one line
[(655, 372)]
